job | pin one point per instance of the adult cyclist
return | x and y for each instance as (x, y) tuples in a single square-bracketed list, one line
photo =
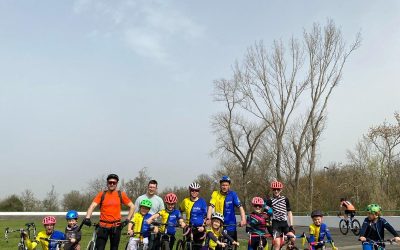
[(349, 209), (195, 209), (224, 201), (44, 237)]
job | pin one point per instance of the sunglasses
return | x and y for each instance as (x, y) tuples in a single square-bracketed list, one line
[(276, 189), (257, 206), (194, 190), (112, 183)]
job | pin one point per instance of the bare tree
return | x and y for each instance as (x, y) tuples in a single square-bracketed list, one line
[(29, 201), (50, 203), (75, 200), (136, 187), (386, 138), (236, 135)]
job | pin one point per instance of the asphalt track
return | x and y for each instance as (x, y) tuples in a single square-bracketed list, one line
[(347, 242)]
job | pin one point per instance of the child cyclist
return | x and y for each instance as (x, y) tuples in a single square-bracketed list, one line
[(169, 216), (43, 237), (258, 223), (215, 234), (318, 231), (138, 226), (373, 228), (72, 231)]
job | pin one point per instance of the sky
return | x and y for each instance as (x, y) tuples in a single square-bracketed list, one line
[(89, 87)]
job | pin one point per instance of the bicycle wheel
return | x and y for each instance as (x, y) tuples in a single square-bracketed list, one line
[(188, 246), (21, 247), (91, 245), (165, 245), (356, 227), (343, 227), (179, 245)]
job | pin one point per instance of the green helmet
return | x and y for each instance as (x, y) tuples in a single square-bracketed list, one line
[(373, 208), (146, 203)]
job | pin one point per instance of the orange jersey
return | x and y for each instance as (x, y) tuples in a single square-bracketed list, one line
[(347, 205), (110, 211)]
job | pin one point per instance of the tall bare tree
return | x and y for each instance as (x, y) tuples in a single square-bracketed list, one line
[(29, 200)]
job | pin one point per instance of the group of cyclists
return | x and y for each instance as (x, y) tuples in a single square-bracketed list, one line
[(213, 224)]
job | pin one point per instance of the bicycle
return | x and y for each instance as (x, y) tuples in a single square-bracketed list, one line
[(21, 243), (344, 226), (140, 243), (285, 241), (260, 237), (59, 243), (186, 243), (316, 245), (92, 243), (377, 245), (165, 238)]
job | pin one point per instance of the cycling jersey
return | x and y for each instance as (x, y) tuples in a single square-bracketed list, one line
[(75, 233), (195, 211), (171, 218), (213, 236), (280, 206), (347, 205), (110, 211), (225, 204), (318, 233), (375, 230), (45, 244), (140, 224), (258, 223)]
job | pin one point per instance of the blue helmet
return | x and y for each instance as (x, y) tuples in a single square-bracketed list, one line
[(225, 179), (71, 214)]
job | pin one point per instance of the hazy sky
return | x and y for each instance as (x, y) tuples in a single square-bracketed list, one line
[(89, 87)]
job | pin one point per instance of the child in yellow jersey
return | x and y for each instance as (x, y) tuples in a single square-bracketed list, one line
[(138, 227), (170, 216), (47, 238), (216, 234), (318, 231)]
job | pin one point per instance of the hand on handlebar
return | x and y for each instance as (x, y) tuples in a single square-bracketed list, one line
[(87, 222), (243, 223)]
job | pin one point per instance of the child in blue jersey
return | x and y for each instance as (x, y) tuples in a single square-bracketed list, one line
[(170, 216), (318, 231), (139, 226), (258, 223), (373, 228)]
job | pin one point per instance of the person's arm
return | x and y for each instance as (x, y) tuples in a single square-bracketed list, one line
[(209, 212), (131, 210), (131, 225), (152, 218), (242, 216), (290, 218), (90, 210), (31, 245), (225, 235), (390, 229), (215, 239), (364, 227)]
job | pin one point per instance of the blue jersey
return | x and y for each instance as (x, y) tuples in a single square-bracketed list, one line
[(171, 219), (195, 211), (56, 235), (225, 204)]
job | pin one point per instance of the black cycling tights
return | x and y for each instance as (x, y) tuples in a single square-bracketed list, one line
[(102, 236)]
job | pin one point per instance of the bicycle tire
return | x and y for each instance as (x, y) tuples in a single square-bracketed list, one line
[(140, 246), (165, 245), (356, 227), (179, 245), (343, 227), (91, 245), (20, 247), (188, 246)]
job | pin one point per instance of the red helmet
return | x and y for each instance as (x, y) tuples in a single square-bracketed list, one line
[(276, 185), (257, 201), (170, 198), (49, 220)]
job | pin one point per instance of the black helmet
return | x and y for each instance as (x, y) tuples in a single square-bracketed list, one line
[(316, 213), (112, 176)]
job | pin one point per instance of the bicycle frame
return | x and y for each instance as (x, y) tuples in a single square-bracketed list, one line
[(21, 243), (371, 244), (260, 237)]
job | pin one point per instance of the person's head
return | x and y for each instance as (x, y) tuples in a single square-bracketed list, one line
[(373, 211), (194, 189), (49, 222), (257, 203), (152, 187), (217, 220), (316, 217), (170, 200), (145, 206), (72, 217), (225, 184), (276, 187), (112, 181)]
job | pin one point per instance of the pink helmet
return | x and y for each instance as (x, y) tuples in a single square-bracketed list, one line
[(257, 201), (276, 185), (49, 220), (170, 198)]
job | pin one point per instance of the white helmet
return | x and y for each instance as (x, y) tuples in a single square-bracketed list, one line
[(194, 185), (219, 216)]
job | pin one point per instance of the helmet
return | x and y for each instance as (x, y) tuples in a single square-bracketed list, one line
[(146, 203), (71, 214), (218, 216), (373, 208), (170, 198), (225, 179), (316, 213), (276, 185), (257, 201), (194, 185), (49, 220), (112, 176)]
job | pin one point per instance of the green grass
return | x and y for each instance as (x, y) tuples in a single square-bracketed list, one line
[(14, 223)]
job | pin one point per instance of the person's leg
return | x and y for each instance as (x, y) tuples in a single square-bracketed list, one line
[(115, 236), (198, 239), (132, 244), (102, 236), (171, 242)]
